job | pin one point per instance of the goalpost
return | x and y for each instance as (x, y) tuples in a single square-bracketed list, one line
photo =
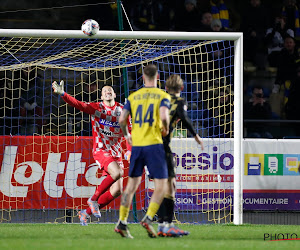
[(47, 170)]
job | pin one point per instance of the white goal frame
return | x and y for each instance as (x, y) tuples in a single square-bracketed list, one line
[(237, 37)]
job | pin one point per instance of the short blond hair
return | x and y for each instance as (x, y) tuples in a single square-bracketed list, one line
[(174, 83)]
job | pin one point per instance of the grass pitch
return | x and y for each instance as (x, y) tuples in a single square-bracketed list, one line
[(102, 236)]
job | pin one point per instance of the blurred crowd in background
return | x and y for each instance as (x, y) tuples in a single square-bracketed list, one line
[(271, 30)]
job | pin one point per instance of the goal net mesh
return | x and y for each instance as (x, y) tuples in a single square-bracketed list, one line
[(47, 170)]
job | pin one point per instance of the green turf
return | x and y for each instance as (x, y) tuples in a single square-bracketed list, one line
[(102, 236)]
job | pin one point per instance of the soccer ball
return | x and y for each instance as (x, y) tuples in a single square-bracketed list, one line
[(90, 27)]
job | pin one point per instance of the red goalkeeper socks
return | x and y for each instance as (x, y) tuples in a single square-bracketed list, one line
[(105, 199), (88, 211), (105, 184)]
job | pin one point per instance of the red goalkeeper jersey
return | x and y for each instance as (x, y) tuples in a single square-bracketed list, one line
[(107, 133)]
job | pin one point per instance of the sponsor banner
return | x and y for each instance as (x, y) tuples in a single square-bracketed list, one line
[(270, 172), (215, 200), (54, 172), (59, 172), (271, 201), (271, 165), (197, 169), (204, 178), (217, 158), (202, 201)]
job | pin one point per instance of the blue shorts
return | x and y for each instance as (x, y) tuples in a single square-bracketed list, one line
[(153, 157)]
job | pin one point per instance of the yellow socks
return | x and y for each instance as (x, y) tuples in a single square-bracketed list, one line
[(123, 213), (152, 209)]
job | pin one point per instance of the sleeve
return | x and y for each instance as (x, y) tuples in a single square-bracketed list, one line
[(183, 115), (82, 106), (129, 124), (127, 106), (128, 146), (165, 102)]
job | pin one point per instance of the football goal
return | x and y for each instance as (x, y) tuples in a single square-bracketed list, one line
[(47, 171)]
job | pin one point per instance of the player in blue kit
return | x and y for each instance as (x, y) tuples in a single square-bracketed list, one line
[(149, 110)]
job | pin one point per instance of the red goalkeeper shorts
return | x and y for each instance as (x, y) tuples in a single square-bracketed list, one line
[(103, 159)]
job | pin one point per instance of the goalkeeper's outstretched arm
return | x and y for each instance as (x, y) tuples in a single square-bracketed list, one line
[(82, 106)]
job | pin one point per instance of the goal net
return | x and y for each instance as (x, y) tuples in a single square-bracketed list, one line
[(47, 169)]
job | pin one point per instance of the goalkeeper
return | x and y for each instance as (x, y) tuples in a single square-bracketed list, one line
[(107, 150), (174, 86)]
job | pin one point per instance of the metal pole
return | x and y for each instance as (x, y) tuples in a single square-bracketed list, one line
[(238, 134), (110, 34)]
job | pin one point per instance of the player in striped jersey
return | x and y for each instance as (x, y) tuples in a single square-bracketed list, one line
[(174, 86), (149, 109), (107, 150)]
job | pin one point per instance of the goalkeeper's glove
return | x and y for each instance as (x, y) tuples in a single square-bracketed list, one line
[(58, 88), (127, 155)]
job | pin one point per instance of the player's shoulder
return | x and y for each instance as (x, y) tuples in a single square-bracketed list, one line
[(95, 105), (119, 105), (158, 92), (163, 93), (178, 101), (134, 94), (181, 100), (118, 108)]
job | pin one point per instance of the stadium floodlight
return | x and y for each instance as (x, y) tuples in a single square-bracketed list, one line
[(46, 160)]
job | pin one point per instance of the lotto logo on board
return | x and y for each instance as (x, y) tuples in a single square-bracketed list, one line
[(271, 164)]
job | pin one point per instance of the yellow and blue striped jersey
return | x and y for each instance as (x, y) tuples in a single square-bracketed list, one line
[(144, 107)]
